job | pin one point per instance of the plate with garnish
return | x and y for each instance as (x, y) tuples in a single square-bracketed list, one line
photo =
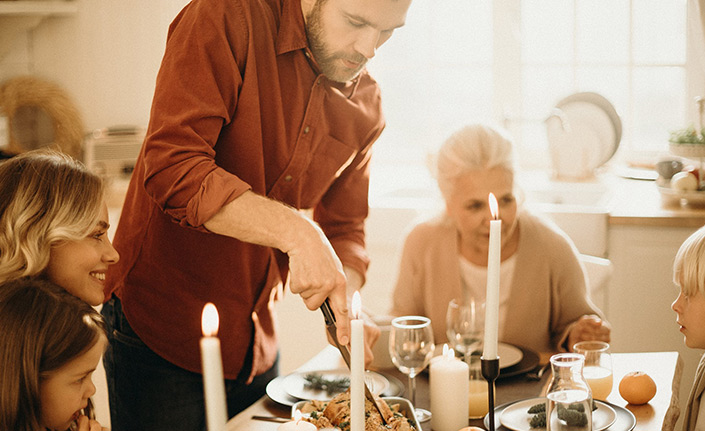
[(525, 415), (325, 384)]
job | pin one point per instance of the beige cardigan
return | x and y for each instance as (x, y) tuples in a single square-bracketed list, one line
[(548, 291)]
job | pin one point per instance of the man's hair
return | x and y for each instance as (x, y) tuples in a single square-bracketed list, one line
[(45, 197), (689, 264), (43, 327)]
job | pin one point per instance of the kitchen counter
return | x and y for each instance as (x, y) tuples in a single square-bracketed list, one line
[(638, 202)]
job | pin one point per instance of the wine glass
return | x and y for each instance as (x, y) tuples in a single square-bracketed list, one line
[(411, 348), (598, 367), (465, 325)]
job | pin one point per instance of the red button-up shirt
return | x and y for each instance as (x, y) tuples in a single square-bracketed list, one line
[(238, 105)]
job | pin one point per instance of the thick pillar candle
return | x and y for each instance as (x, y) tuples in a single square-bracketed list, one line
[(357, 367), (449, 383), (492, 296), (212, 361)]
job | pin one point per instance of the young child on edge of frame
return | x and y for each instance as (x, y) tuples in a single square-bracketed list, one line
[(50, 344), (689, 275)]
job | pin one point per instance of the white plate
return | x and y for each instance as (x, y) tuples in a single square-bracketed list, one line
[(295, 384), (691, 197), (508, 354), (516, 417)]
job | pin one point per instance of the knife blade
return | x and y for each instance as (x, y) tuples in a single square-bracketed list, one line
[(332, 329)]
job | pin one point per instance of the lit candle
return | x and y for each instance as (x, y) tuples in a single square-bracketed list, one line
[(449, 381), (213, 383), (297, 424), (357, 367), (492, 296)]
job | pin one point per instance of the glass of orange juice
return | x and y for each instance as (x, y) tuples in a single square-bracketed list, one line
[(479, 405), (597, 370)]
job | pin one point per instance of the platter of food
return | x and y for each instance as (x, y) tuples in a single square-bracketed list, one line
[(515, 416), (336, 412)]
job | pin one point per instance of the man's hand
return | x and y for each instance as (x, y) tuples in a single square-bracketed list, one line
[(589, 328), (316, 274), (372, 333)]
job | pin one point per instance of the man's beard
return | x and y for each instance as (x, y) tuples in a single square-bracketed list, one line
[(329, 62)]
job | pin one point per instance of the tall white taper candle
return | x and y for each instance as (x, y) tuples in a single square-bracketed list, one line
[(492, 296), (357, 367), (212, 361)]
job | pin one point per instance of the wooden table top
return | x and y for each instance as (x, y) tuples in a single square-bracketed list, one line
[(660, 413)]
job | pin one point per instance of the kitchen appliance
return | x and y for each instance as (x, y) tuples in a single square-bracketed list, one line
[(112, 152)]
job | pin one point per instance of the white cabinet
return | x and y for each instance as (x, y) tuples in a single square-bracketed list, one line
[(641, 292)]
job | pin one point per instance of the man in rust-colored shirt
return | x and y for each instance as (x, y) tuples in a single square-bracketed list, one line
[(262, 108)]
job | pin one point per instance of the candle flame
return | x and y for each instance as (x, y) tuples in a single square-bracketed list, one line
[(210, 320), (494, 207), (298, 416), (356, 305), (448, 352)]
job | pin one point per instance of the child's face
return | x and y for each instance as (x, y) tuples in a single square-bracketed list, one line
[(66, 390), (690, 311), (80, 266)]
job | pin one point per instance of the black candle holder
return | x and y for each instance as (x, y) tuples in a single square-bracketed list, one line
[(490, 371)]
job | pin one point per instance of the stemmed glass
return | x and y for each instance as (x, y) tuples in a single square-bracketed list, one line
[(465, 325), (411, 348)]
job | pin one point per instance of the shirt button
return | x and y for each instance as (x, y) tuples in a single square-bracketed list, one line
[(306, 129), (288, 178)]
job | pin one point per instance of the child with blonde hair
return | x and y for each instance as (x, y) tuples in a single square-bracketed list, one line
[(689, 275), (50, 344)]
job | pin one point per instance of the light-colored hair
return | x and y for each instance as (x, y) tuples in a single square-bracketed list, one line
[(46, 197), (689, 264), (472, 148), (43, 328)]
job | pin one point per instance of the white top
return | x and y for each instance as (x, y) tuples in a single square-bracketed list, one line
[(474, 284)]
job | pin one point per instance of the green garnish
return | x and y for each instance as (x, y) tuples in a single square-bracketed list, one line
[(331, 386)]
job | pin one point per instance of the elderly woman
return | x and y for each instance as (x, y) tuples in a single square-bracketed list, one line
[(544, 303)]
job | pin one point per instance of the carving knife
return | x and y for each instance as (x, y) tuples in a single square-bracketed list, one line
[(344, 352)]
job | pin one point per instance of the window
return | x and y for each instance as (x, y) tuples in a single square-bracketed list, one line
[(508, 62)]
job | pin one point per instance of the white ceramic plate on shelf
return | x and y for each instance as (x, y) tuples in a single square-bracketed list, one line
[(515, 417)]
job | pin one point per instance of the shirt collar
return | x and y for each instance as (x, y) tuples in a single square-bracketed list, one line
[(292, 31)]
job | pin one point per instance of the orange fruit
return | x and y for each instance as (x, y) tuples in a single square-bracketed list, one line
[(637, 387)]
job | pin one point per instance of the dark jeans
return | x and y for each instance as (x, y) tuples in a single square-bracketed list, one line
[(147, 392)]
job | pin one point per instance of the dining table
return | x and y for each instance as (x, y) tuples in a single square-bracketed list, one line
[(661, 412)]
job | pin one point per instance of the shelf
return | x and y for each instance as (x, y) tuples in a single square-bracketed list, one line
[(36, 8), (18, 17)]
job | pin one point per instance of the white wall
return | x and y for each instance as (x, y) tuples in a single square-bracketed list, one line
[(106, 56)]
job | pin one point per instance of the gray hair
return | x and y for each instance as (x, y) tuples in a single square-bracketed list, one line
[(472, 148)]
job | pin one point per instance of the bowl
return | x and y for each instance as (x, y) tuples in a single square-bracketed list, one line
[(668, 168)]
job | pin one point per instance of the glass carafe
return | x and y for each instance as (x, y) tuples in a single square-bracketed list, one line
[(569, 400)]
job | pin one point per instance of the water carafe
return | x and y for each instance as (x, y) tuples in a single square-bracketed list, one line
[(569, 400)]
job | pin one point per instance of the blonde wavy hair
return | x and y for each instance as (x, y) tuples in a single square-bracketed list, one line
[(689, 264), (46, 197)]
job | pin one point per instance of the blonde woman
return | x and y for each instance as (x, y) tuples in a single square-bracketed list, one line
[(544, 304), (54, 223)]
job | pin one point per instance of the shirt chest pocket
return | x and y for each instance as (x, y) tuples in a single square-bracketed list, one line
[(326, 164)]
